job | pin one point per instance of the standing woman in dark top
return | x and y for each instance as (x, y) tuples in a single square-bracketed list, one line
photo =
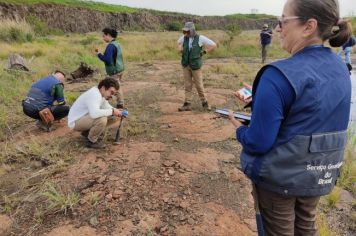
[(112, 57), (294, 146)]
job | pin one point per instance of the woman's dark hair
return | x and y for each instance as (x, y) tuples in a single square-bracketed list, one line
[(109, 82), (326, 12), (113, 33)]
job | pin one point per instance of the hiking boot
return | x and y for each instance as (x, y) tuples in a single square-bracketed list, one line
[(43, 126), (206, 106), (96, 145), (186, 107), (85, 133)]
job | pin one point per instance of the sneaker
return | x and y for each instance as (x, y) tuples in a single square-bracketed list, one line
[(42, 126), (206, 106), (186, 107), (96, 145)]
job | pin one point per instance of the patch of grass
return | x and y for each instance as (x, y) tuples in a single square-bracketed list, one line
[(347, 178), (57, 201), (7, 205), (251, 16), (353, 23), (324, 226), (89, 40), (39, 27), (94, 199), (16, 31), (174, 26), (78, 3), (141, 119), (70, 97), (333, 197)]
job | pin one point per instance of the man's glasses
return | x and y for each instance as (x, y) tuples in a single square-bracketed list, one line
[(186, 32), (284, 19)]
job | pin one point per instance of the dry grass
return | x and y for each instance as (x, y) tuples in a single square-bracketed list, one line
[(324, 226), (15, 31), (66, 52)]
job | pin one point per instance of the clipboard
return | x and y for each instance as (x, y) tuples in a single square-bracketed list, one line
[(245, 118)]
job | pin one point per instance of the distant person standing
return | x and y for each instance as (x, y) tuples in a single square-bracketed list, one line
[(112, 57), (265, 38), (192, 47), (346, 48)]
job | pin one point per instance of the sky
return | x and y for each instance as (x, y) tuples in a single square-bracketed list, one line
[(222, 7)]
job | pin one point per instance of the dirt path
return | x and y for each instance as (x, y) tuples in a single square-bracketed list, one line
[(173, 173)]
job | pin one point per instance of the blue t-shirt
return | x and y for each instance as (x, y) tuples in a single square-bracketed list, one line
[(272, 101)]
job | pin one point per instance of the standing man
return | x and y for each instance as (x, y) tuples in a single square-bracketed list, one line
[(43, 94), (265, 38), (89, 113), (190, 45), (112, 57)]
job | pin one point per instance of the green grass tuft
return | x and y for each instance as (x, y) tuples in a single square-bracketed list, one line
[(77, 3)]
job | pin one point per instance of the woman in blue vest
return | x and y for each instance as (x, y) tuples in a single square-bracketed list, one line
[(112, 57), (43, 94), (293, 148)]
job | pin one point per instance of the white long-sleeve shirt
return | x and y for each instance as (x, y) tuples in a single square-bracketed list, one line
[(90, 102), (203, 41)]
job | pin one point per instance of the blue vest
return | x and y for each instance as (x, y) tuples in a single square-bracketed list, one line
[(40, 94), (308, 153)]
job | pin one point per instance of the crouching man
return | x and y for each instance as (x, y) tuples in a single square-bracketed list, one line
[(44, 94), (89, 113)]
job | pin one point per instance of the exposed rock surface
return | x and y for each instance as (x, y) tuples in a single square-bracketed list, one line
[(75, 19)]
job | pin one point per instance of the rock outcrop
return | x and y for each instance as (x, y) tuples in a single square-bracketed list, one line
[(82, 20)]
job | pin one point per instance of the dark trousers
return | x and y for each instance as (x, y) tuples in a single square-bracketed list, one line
[(264, 52), (58, 112), (287, 216)]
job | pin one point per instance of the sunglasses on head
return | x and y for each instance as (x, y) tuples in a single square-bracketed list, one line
[(284, 19)]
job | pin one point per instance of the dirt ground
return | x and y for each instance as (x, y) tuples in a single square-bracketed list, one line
[(172, 174)]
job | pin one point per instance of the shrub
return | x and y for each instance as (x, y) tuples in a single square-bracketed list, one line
[(39, 27), (15, 31), (174, 26), (235, 29), (88, 40)]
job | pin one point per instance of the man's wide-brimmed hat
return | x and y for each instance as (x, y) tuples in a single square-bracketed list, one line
[(188, 26)]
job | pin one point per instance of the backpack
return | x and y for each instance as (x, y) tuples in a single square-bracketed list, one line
[(46, 116)]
